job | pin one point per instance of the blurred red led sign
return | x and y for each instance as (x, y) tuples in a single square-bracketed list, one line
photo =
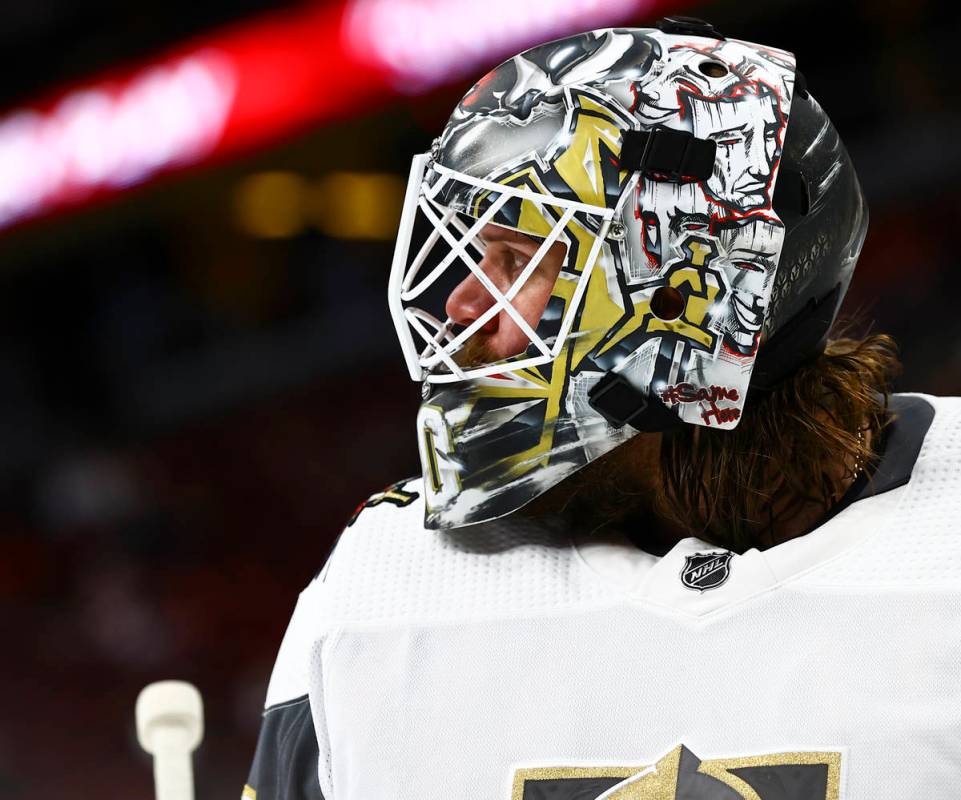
[(423, 43), (109, 137), (246, 86)]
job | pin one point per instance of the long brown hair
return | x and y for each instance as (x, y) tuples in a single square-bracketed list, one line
[(802, 440)]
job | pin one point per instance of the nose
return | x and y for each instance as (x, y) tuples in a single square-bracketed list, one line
[(468, 302), (470, 298)]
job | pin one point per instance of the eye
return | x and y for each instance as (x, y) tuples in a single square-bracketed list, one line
[(729, 142), (518, 259)]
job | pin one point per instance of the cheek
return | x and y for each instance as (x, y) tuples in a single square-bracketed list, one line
[(509, 340), (534, 296)]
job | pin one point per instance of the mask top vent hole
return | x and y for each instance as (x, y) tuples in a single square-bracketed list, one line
[(713, 69)]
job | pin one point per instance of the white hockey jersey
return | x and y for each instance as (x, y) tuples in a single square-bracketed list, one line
[(515, 661)]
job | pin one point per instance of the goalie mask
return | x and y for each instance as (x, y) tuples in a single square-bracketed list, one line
[(617, 232)]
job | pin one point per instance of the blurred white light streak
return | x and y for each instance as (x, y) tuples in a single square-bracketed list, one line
[(428, 42), (103, 138)]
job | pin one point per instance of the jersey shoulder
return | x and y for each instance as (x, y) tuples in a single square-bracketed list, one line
[(911, 521), (314, 617), (942, 438), (922, 447), (387, 568)]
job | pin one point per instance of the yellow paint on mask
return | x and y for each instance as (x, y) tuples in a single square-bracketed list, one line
[(579, 164)]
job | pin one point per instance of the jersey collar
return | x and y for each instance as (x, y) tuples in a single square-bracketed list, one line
[(666, 580)]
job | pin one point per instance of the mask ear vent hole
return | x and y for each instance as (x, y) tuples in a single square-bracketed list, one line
[(667, 303), (713, 69)]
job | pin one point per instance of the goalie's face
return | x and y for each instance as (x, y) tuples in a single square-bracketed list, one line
[(506, 253), (488, 277)]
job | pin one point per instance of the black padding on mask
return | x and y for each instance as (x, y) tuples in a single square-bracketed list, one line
[(670, 154), (800, 85), (615, 399), (790, 194), (621, 403), (801, 338)]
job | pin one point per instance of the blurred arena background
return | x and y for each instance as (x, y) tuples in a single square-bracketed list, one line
[(199, 377)]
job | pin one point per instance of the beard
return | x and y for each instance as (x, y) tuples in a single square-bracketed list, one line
[(476, 352)]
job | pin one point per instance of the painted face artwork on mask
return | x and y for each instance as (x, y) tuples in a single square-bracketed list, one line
[(587, 269), (745, 128), (752, 246)]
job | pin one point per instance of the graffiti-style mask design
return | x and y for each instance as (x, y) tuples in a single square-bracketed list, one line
[(540, 279)]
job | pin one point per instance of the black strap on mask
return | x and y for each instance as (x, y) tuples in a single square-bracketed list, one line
[(791, 195), (621, 403), (668, 154), (689, 26)]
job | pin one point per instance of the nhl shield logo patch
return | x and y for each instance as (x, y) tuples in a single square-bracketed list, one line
[(703, 571)]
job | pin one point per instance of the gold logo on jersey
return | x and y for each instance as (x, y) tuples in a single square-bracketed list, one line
[(681, 775), (395, 494)]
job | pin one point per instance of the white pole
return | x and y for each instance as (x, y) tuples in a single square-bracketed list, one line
[(170, 724)]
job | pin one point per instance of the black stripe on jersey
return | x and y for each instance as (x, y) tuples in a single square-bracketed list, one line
[(286, 760), (901, 443), (897, 452)]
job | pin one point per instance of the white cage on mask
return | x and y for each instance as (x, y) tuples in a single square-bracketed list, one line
[(453, 223)]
